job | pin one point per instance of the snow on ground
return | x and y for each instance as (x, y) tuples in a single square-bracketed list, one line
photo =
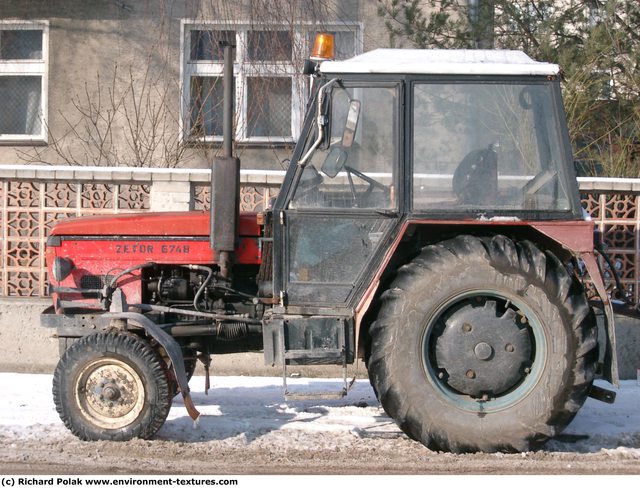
[(251, 410)]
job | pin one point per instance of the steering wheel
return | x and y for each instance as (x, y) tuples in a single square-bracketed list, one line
[(475, 180), (373, 184)]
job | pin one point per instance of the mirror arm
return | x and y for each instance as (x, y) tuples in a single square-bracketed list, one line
[(321, 121)]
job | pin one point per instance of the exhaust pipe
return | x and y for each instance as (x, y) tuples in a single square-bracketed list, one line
[(225, 180)]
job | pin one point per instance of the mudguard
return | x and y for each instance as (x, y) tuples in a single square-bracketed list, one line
[(171, 347)]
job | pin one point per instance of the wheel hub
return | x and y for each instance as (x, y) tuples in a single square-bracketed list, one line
[(483, 351), (110, 393), (483, 347)]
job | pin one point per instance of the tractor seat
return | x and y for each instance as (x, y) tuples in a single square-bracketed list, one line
[(475, 181)]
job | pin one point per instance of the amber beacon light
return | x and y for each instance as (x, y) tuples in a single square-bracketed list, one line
[(323, 47)]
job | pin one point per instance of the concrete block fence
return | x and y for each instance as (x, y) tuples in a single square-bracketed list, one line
[(33, 198)]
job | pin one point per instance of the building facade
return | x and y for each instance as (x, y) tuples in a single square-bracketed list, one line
[(138, 83)]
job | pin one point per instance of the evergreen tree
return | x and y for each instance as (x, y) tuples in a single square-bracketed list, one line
[(596, 43)]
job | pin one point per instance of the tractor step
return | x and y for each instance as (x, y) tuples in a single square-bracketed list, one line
[(310, 341), (315, 357), (310, 396), (308, 355)]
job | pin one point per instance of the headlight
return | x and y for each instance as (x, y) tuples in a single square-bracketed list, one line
[(61, 268)]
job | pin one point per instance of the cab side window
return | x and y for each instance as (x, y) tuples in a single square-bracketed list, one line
[(355, 168)]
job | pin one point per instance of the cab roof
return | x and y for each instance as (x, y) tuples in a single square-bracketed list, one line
[(442, 62)]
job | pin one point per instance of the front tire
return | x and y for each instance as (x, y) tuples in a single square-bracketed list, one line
[(483, 345), (111, 386)]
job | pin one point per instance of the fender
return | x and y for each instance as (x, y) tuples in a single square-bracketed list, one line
[(576, 237), (171, 347), (610, 372), (579, 241)]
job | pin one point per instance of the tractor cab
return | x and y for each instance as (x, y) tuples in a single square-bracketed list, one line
[(404, 134)]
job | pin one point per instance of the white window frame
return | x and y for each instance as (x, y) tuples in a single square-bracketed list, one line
[(30, 67), (244, 69)]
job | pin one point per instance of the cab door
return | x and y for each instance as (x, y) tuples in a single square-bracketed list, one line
[(339, 220)]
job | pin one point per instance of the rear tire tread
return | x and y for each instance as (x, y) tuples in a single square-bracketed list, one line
[(543, 270)]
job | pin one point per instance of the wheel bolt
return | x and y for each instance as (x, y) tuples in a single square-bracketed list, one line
[(471, 374), (485, 397), (527, 370), (523, 320), (441, 375), (509, 347), (466, 327)]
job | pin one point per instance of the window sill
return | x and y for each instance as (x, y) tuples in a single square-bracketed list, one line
[(242, 144), (11, 141)]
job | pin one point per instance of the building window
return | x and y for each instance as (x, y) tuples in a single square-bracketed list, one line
[(270, 91), (23, 81)]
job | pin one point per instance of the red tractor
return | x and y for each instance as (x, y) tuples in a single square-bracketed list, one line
[(429, 223)]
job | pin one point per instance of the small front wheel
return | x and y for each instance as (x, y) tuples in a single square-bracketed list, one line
[(111, 386)]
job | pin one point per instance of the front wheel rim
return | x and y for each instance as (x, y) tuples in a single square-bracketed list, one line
[(459, 353), (110, 393)]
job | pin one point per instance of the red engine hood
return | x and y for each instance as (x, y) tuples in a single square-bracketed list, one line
[(195, 223)]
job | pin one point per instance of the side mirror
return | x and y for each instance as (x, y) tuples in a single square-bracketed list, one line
[(352, 124), (334, 161)]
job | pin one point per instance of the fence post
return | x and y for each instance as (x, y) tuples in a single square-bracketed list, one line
[(170, 196)]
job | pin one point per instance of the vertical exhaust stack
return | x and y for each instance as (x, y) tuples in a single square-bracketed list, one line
[(225, 180)]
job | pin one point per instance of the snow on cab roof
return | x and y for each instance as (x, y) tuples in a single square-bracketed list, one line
[(442, 61)]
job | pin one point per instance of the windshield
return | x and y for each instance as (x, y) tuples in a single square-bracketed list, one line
[(487, 146)]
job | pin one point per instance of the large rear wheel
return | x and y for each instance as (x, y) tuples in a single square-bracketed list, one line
[(483, 345), (111, 386)]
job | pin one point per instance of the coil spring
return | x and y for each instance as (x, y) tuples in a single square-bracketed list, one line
[(231, 330)]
